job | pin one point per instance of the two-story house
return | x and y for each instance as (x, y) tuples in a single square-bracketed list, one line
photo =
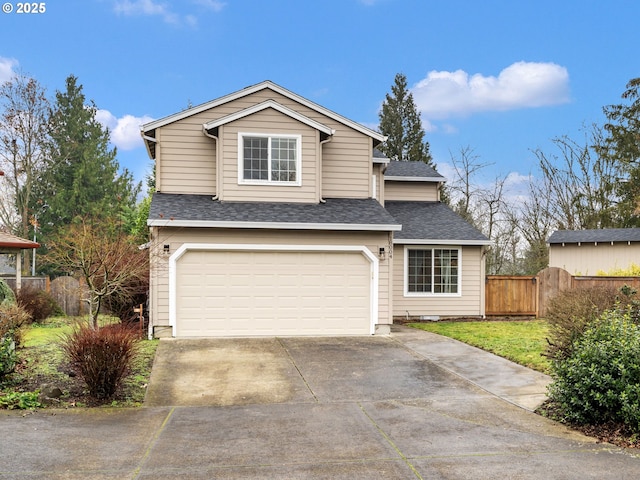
[(276, 216)]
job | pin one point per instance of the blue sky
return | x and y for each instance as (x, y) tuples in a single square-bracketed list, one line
[(500, 77)]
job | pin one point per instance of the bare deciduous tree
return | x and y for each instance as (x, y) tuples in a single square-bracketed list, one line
[(108, 260), (24, 111), (581, 183)]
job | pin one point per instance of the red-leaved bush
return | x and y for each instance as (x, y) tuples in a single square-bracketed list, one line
[(101, 356)]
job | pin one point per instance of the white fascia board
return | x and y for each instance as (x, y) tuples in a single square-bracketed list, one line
[(269, 104), (383, 161), (416, 179), (256, 88), (274, 225), (428, 241)]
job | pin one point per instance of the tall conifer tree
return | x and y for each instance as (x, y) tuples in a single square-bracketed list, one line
[(400, 122), (82, 177)]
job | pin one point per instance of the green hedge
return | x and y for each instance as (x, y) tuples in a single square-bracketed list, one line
[(599, 382)]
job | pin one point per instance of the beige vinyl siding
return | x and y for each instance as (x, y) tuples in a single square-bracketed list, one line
[(469, 303), (410, 191), (269, 121), (589, 258), (379, 182), (347, 166), (175, 237), (186, 157)]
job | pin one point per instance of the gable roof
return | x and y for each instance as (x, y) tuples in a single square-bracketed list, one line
[(11, 241), (147, 128), (412, 172), (595, 235), (263, 106), (433, 222), (181, 210)]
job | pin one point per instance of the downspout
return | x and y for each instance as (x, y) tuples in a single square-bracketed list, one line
[(322, 142), (207, 134)]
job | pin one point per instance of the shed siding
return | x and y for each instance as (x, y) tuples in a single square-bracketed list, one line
[(589, 258)]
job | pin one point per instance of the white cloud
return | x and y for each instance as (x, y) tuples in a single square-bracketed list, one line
[(162, 9), (214, 5), (125, 131), (6, 69), (131, 8), (445, 94)]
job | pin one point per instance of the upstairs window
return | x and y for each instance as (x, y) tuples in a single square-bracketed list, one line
[(431, 271), (269, 159)]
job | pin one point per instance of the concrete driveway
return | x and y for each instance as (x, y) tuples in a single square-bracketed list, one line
[(411, 405)]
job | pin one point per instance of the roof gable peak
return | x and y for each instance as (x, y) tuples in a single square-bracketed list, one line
[(267, 84)]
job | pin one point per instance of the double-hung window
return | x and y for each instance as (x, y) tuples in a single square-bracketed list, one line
[(432, 271), (269, 159)]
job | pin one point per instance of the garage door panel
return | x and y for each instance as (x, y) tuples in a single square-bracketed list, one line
[(230, 293)]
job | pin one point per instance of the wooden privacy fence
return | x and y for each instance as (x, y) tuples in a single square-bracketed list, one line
[(33, 283), (510, 295), (530, 295), (69, 293)]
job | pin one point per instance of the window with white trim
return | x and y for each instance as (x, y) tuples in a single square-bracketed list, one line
[(432, 270), (269, 158)]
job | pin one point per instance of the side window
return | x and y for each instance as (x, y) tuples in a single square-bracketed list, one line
[(432, 271)]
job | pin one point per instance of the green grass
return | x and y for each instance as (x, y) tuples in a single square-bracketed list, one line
[(522, 342), (42, 361)]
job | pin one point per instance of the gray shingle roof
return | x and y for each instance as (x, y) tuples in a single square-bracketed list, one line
[(201, 208), (412, 170), (600, 235), (433, 221)]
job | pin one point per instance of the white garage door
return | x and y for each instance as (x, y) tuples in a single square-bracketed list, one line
[(247, 293)]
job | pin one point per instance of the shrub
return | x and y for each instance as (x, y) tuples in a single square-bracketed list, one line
[(571, 312), (101, 356), (8, 358), (12, 318), (599, 382), (20, 400), (39, 304), (7, 297)]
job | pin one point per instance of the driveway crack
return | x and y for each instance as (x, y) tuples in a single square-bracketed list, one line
[(391, 442), (293, 362)]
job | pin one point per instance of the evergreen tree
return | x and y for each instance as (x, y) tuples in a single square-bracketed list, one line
[(400, 122), (82, 177), (623, 147)]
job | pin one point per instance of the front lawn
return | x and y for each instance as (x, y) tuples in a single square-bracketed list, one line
[(41, 362), (522, 342)]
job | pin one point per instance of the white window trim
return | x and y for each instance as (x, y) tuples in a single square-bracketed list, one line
[(407, 293), (243, 181)]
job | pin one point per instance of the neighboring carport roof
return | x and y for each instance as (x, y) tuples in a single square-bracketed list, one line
[(596, 235), (412, 171), (433, 222), (336, 214), (8, 241)]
